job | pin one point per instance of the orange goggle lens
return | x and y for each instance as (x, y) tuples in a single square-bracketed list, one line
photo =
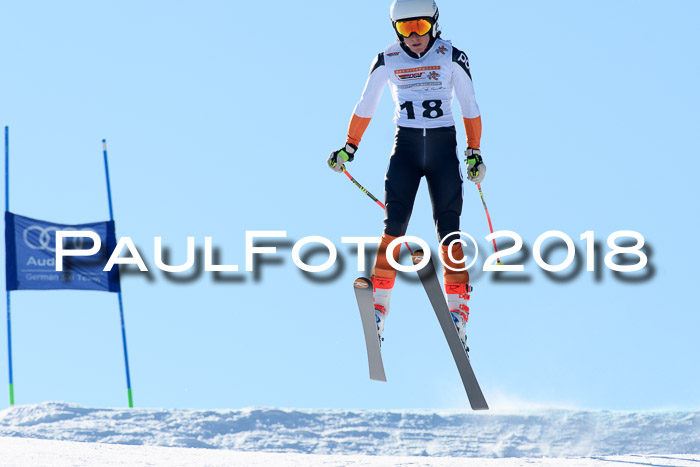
[(419, 26)]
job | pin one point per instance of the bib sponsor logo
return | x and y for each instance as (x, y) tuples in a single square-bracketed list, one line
[(441, 50), (408, 74)]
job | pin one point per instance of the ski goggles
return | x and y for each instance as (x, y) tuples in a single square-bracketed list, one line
[(419, 26)]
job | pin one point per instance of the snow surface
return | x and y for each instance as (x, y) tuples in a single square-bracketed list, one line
[(257, 436), (35, 452)]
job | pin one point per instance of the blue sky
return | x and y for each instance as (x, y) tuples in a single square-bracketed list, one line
[(219, 117)]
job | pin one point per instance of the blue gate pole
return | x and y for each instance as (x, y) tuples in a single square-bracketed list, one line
[(7, 208), (121, 306)]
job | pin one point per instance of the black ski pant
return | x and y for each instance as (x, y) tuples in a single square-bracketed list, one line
[(429, 153)]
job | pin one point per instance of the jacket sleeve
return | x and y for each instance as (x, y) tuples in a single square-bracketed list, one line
[(365, 108), (464, 90)]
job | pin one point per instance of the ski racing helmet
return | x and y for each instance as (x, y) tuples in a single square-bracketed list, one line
[(419, 16)]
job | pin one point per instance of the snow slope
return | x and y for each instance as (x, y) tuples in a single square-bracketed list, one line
[(35, 452), (544, 433)]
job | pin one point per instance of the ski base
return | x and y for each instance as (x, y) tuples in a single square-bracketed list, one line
[(429, 279), (365, 302)]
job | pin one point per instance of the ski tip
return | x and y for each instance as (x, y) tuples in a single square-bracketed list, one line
[(480, 407), (362, 283), (417, 256)]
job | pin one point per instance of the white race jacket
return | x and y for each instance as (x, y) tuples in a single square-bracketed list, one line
[(422, 87)]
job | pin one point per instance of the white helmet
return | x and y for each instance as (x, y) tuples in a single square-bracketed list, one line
[(406, 9)]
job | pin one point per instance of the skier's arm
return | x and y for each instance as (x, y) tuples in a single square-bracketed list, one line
[(364, 110), (361, 115), (464, 90)]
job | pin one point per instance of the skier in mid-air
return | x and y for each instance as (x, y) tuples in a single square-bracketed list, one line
[(423, 70)]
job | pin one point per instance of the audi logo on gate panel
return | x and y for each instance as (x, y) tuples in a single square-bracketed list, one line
[(45, 238), (42, 240)]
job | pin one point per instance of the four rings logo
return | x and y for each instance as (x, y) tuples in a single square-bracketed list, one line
[(44, 238)]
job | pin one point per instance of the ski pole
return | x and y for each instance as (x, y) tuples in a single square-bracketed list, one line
[(488, 217), (365, 191)]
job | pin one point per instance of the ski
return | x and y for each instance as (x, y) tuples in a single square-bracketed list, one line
[(430, 282), (365, 301)]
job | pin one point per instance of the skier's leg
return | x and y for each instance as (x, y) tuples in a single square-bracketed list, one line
[(400, 187), (402, 179), (457, 287), (445, 187), (383, 277), (452, 257), (444, 177)]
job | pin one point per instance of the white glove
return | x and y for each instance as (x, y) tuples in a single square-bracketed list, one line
[(476, 169), (338, 158)]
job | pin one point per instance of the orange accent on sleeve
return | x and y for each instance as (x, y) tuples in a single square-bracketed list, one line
[(473, 127), (357, 128)]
